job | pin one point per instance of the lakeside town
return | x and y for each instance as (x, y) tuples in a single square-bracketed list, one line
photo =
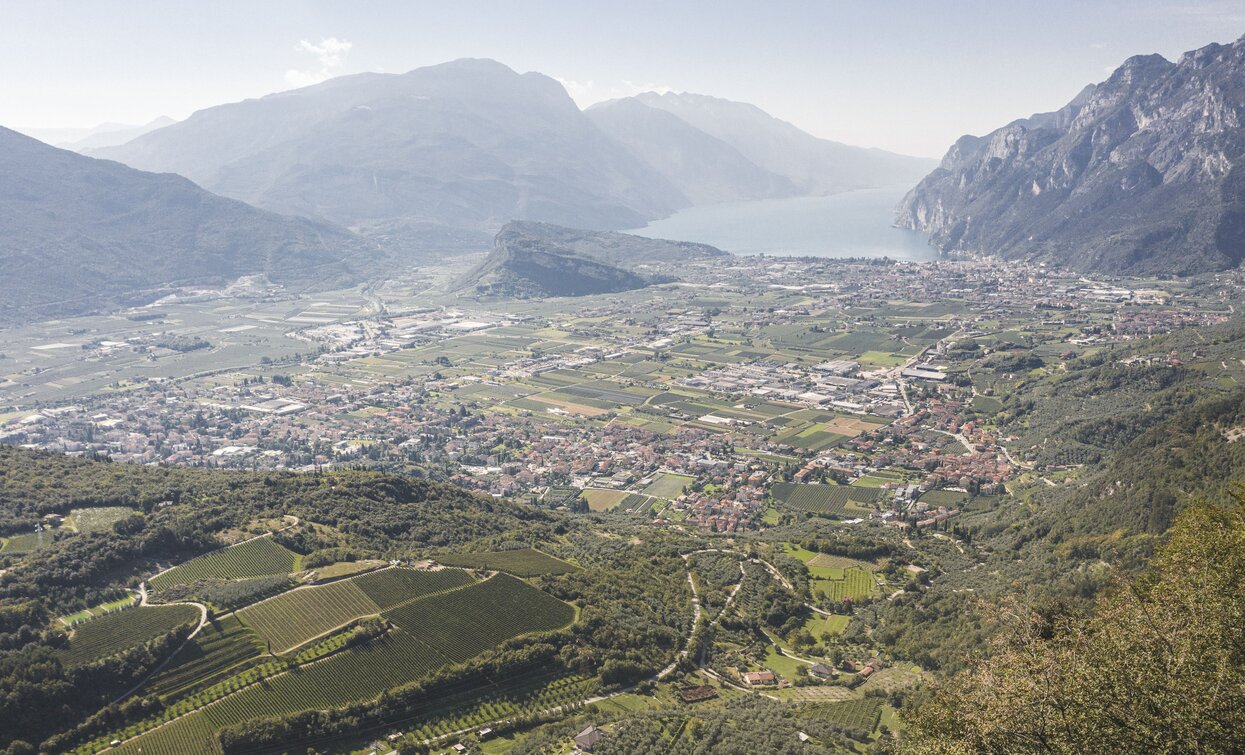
[(685, 403)]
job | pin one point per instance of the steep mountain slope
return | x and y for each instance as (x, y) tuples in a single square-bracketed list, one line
[(468, 144), (82, 234), (813, 165), (1139, 174), (704, 168), (541, 259)]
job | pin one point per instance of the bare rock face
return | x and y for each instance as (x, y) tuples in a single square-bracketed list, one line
[(1140, 174)]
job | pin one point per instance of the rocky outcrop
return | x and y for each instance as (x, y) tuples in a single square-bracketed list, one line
[(1141, 174)]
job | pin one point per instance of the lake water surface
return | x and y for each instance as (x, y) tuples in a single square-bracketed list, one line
[(852, 224)]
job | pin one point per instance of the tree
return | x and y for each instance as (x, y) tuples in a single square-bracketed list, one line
[(1158, 667)]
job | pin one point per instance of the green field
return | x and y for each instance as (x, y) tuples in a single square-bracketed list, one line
[(463, 623), (861, 714), (389, 587), (855, 584), (115, 632), (600, 499), (818, 624), (294, 617), (27, 542), (98, 519), (824, 500), (430, 633), (221, 645), (523, 563), (668, 486), (260, 557), (948, 498)]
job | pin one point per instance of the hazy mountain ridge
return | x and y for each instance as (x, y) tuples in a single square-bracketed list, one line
[(467, 144), (103, 135), (471, 144), (541, 259), (83, 234), (1140, 174), (813, 165), (704, 168)]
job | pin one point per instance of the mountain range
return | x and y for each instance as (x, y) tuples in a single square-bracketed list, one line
[(531, 259), (82, 234), (470, 145), (1143, 173), (103, 135)]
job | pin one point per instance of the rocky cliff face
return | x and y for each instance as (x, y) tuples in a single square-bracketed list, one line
[(1141, 174)]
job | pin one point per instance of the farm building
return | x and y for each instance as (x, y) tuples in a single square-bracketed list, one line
[(588, 738), (759, 678), (821, 671)]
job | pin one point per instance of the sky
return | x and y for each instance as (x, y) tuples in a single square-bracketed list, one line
[(909, 76)]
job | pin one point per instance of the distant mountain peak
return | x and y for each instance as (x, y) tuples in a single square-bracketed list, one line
[(1139, 174)]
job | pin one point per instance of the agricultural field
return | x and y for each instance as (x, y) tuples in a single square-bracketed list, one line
[(823, 500), (600, 499), (100, 610), (460, 623), (260, 557), (522, 563), (668, 486), (948, 498), (819, 624), (389, 587), (895, 678), (97, 519), (111, 634), (294, 617), (27, 542), (345, 569), (463, 623), (298, 616), (861, 714), (825, 693), (854, 584), (220, 646), (827, 561)]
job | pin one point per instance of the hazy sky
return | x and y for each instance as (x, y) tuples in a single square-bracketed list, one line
[(905, 75)]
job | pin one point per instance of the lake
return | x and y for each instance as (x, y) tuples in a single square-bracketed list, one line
[(851, 224)]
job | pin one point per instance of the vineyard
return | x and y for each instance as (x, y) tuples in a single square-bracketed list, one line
[(855, 584), (860, 715), (827, 500), (115, 632), (290, 619), (294, 617), (260, 557), (522, 563), (389, 587), (221, 645), (466, 622), (511, 699)]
